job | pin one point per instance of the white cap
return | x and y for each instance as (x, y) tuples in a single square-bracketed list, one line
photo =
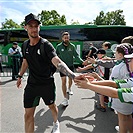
[(129, 56)]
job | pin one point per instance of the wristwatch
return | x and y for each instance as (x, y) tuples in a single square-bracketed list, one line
[(19, 76)]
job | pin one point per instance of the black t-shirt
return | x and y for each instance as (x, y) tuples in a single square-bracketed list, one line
[(39, 66), (93, 51)]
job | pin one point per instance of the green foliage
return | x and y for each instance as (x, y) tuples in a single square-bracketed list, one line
[(89, 23), (74, 22), (9, 24), (51, 18), (22, 24), (46, 18), (110, 18)]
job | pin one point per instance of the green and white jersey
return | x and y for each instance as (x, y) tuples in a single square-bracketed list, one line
[(126, 94), (124, 83), (68, 53), (109, 53), (119, 72)]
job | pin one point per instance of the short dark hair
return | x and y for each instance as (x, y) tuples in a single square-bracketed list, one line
[(65, 33), (107, 44), (101, 51), (124, 48), (90, 43), (15, 43), (128, 39)]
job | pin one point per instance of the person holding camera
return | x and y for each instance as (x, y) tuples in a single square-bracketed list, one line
[(15, 53)]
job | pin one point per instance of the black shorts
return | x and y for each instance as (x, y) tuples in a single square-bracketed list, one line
[(71, 68), (33, 93)]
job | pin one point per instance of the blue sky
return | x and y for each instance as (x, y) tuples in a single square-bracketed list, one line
[(77, 10)]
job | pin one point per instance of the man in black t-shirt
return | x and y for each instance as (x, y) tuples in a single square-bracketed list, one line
[(92, 51), (40, 82)]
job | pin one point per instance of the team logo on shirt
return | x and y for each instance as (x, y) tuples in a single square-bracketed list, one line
[(27, 51), (69, 49), (62, 50), (38, 51), (51, 101)]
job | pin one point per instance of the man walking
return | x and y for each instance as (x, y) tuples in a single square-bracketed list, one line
[(40, 83), (67, 51)]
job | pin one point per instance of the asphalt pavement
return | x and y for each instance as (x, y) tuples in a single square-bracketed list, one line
[(79, 117)]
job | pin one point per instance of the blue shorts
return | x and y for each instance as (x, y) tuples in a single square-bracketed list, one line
[(33, 93)]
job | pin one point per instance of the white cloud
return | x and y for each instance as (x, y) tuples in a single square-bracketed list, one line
[(13, 14), (128, 12), (79, 10)]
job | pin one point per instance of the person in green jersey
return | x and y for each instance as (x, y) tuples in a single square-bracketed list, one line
[(67, 52)]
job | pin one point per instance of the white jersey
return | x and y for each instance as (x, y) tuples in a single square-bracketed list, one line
[(120, 72), (124, 83), (126, 94), (99, 69)]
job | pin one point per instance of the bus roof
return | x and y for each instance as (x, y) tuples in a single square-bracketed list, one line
[(71, 26)]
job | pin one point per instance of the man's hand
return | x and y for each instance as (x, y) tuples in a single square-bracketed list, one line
[(19, 85)]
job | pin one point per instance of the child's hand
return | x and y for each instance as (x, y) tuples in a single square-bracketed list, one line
[(79, 69), (85, 63), (82, 83), (95, 75)]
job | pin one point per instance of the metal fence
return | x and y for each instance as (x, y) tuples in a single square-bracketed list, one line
[(8, 66)]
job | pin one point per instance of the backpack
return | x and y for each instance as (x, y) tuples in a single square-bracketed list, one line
[(42, 51)]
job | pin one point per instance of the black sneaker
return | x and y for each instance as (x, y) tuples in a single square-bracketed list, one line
[(106, 99), (101, 108)]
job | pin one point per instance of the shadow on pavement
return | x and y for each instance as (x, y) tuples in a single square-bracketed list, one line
[(4, 82), (45, 120), (100, 122)]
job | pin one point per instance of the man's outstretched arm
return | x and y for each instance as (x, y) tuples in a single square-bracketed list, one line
[(62, 67)]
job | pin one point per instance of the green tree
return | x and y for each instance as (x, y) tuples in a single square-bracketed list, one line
[(110, 18), (22, 24), (74, 22), (9, 24), (89, 23), (51, 18)]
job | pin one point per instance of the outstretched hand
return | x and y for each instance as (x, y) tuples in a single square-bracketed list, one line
[(91, 60), (83, 80), (81, 83), (79, 69), (82, 76), (85, 63), (95, 75)]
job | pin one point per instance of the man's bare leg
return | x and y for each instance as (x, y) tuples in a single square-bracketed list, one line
[(29, 120)]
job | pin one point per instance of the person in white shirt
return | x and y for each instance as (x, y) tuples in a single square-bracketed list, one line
[(123, 70), (15, 53)]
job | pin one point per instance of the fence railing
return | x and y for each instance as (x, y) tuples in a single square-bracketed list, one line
[(9, 66)]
